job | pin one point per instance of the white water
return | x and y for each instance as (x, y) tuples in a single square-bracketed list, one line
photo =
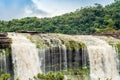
[(65, 56), (3, 62), (27, 63), (102, 58), (25, 57), (52, 54)]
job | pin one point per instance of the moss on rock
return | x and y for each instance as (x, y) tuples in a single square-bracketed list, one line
[(40, 43), (71, 42), (118, 46)]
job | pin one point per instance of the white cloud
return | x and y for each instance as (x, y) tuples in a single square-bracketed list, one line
[(46, 8), (40, 9), (33, 11), (36, 9)]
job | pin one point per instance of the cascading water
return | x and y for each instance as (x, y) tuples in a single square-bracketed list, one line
[(54, 56), (102, 58), (3, 65), (5, 62), (25, 57), (59, 55), (42, 53)]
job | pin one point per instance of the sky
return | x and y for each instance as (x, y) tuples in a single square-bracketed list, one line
[(16, 9)]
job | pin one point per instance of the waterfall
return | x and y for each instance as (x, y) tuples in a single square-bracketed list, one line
[(25, 57), (42, 53), (3, 63), (102, 58), (65, 57), (53, 56)]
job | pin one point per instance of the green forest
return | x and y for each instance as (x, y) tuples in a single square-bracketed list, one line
[(87, 20)]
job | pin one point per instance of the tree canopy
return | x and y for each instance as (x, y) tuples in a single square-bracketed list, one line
[(88, 20)]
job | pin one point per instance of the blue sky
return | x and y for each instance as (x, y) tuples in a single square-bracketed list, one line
[(13, 9)]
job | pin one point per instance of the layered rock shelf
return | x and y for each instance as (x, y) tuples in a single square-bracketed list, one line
[(4, 41)]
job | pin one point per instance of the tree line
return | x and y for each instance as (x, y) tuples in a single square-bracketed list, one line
[(88, 20)]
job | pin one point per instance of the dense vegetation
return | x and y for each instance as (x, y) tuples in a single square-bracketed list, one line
[(88, 20), (5, 76)]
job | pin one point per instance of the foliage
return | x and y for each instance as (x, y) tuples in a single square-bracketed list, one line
[(17, 79), (5, 76), (4, 51), (81, 73), (86, 20), (40, 43), (71, 42), (118, 46), (50, 76)]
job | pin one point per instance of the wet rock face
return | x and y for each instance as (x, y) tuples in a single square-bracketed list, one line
[(62, 54), (60, 58), (6, 61), (57, 52), (4, 41), (5, 55), (2, 34)]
